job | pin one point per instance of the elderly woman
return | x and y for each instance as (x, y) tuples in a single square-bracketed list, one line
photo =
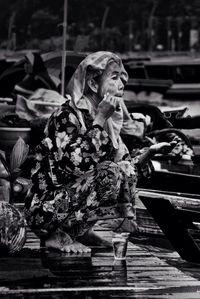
[(83, 171)]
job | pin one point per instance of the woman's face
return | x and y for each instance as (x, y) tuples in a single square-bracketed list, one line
[(112, 81)]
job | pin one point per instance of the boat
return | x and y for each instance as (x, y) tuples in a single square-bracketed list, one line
[(139, 79), (174, 214), (149, 85), (186, 90), (16, 72), (168, 204), (183, 71)]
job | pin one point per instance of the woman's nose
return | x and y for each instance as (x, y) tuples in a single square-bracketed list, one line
[(121, 85)]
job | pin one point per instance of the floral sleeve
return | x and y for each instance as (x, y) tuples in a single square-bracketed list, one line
[(71, 152)]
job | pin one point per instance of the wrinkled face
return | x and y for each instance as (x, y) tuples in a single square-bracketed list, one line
[(113, 81)]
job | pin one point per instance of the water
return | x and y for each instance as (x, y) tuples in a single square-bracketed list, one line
[(120, 242)]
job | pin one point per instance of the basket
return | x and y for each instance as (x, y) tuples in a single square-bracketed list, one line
[(12, 229)]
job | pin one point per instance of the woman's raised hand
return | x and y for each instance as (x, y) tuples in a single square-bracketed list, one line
[(106, 108)]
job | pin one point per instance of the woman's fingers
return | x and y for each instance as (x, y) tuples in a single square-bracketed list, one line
[(112, 100), (108, 106), (162, 147)]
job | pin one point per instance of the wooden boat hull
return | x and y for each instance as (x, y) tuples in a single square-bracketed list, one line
[(148, 85), (171, 181), (145, 220), (183, 91), (175, 215)]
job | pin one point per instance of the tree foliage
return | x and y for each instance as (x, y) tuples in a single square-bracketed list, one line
[(36, 19)]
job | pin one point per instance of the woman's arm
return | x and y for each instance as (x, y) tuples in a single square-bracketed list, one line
[(71, 151), (162, 147)]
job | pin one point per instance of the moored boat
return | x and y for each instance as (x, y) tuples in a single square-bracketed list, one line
[(183, 71), (176, 215)]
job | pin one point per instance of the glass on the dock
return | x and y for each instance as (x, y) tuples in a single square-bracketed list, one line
[(120, 242)]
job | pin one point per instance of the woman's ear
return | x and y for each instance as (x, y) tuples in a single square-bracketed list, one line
[(93, 85)]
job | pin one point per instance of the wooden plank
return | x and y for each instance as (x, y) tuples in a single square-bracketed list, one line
[(35, 273)]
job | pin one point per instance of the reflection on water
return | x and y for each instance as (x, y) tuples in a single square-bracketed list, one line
[(119, 271), (59, 263), (81, 270)]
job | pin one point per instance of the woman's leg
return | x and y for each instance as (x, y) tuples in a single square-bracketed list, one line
[(107, 192), (60, 240), (46, 218)]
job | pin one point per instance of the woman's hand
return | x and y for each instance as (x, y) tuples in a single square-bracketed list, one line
[(158, 148), (106, 108), (162, 147)]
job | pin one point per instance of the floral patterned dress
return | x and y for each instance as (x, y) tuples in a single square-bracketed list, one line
[(75, 179)]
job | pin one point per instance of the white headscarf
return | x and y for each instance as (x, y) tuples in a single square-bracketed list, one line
[(120, 121)]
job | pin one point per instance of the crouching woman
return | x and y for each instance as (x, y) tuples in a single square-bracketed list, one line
[(83, 171)]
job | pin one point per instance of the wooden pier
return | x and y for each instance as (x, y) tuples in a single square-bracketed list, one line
[(148, 272)]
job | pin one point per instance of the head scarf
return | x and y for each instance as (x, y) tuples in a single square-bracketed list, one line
[(93, 65)]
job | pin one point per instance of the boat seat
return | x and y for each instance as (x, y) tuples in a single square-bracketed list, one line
[(176, 223)]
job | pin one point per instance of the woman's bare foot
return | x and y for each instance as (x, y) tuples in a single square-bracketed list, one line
[(75, 247), (61, 241)]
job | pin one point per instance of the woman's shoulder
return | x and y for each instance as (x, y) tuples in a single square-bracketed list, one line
[(64, 110), (64, 116)]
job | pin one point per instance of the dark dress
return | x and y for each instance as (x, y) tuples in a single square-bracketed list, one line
[(75, 179)]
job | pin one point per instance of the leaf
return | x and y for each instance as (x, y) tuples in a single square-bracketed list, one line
[(19, 154)]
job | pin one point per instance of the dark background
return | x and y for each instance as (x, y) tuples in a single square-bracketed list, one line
[(117, 25)]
